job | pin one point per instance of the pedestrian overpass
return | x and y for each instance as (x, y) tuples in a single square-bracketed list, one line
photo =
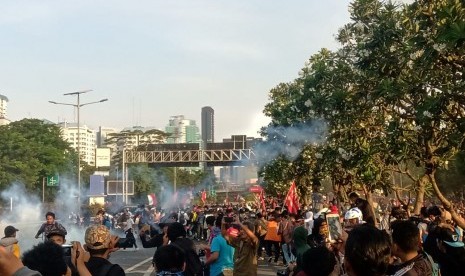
[(182, 158)]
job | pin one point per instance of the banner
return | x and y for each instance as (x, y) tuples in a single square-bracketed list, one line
[(102, 157)]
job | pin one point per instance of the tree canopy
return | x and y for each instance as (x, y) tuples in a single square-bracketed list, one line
[(392, 95), (31, 150)]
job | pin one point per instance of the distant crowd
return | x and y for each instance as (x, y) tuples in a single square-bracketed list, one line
[(232, 240)]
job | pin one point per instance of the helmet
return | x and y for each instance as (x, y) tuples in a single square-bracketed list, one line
[(354, 213)]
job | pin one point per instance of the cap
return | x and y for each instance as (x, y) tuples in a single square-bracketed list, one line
[(97, 237), (10, 230), (56, 232), (451, 238)]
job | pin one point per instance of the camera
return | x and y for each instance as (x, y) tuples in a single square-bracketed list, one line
[(228, 219), (67, 249)]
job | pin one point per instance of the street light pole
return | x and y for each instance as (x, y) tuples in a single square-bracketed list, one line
[(78, 106)]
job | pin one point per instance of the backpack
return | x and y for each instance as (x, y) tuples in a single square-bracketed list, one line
[(434, 266)]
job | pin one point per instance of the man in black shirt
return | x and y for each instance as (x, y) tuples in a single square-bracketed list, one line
[(99, 244)]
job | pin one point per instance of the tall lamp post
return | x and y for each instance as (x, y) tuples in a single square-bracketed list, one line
[(78, 106)]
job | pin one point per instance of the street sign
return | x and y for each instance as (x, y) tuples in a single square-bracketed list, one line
[(53, 180)]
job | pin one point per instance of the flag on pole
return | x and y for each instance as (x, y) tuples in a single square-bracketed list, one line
[(292, 200), (152, 199), (203, 197)]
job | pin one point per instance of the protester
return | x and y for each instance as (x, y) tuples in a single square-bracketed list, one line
[(367, 251), (423, 223), (99, 243), (169, 260), (452, 262), (10, 242), (177, 236), (261, 228), (200, 225), (285, 229), (272, 238), (405, 246), (352, 218), (319, 235), (10, 265), (299, 238), (156, 240), (221, 258), (129, 231), (103, 218), (47, 258), (245, 245), (318, 261), (57, 236), (50, 226)]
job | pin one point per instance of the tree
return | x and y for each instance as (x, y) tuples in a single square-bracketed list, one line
[(143, 175), (31, 150), (392, 96)]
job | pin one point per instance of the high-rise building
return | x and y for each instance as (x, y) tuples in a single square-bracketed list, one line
[(182, 130), (102, 135), (208, 125), (86, 140), (3, 115)]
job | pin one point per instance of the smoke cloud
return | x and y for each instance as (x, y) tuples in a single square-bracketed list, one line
[(289, 141)]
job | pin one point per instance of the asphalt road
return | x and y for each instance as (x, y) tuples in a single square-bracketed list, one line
[(140, 262)]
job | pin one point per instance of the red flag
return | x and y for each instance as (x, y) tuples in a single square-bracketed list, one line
[(292, 200), (152, 199), (203, 197)]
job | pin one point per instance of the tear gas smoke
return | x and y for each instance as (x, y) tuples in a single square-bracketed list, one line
[(290, 141)]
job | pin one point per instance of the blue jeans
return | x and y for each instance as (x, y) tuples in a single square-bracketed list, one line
[(288, 256)]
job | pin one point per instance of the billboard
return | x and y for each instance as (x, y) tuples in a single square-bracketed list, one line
[(115, 187), (97, 183), (102, 157)]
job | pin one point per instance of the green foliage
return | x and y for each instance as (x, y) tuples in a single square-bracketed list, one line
[(31, 150), (392, 94)]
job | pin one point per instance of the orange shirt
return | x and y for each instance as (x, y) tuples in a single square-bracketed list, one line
[(272, 234)]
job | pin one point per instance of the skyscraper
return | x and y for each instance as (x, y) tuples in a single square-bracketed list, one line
[(208, 125), (182, 130)]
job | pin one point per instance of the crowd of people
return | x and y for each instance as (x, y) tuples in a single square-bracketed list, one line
[(232, 240)]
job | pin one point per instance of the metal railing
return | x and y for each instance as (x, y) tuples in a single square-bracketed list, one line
[(189, 156)]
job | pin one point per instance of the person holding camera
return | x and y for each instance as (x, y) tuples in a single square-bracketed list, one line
[(99, 244)]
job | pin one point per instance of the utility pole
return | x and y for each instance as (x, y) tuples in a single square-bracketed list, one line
[(78, 106)]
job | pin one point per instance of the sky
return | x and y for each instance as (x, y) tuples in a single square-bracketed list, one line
[(155, 59)]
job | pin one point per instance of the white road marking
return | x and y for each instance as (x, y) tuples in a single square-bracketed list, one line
[(138, 264)]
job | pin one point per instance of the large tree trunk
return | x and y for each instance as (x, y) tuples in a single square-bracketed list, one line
[(445, 202), (420, 198)]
